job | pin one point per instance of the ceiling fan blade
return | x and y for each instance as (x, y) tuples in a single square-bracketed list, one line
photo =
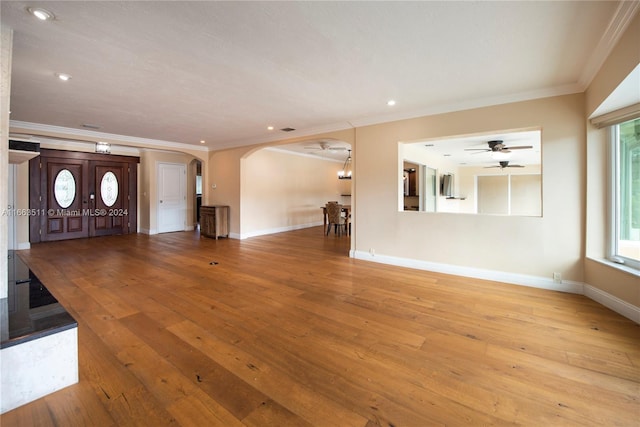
[(521, 147), (476, 149), (336, 149), (515, 166)]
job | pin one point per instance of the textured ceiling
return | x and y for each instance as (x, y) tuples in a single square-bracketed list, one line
[(224, 71)]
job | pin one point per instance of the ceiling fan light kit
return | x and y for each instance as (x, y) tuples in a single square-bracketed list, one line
[(505, 164), (324, 146)]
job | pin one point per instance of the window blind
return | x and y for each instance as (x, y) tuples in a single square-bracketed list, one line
[(616, 117)]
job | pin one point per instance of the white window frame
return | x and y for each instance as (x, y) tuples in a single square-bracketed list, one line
[(614, 201)]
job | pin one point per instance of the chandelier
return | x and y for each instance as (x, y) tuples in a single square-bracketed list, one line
[(345, 173)]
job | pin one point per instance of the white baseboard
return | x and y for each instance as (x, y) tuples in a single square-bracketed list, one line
[(278, 230), (189, 228), (148, 231), (478, 273), (23, 246), (627, 310), (614, 303)]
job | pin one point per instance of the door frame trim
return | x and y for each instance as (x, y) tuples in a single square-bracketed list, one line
[(35, 190), (158, 192)]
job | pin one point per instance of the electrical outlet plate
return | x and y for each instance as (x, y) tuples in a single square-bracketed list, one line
[(557, 277)]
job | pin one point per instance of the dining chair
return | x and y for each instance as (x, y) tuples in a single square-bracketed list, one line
[(335, 218)]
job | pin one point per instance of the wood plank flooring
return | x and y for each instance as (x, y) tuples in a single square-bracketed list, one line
[(286, 330)]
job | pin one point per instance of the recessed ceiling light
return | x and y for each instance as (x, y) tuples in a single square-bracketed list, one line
[(269, 127), (202, 141), (391, 103), (40, 13), (63, 76)]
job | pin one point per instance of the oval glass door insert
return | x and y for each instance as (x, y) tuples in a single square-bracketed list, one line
[(64, 188), (109, 188)]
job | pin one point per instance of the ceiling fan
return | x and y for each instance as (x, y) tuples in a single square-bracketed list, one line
[(325, 146), (498, 146), (505, 164)]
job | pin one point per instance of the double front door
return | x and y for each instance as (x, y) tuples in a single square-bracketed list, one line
[(75, 195)]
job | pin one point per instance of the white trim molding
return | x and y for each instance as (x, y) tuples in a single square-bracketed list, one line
[(619, 22), (93, 136), (266, 231), (621, 307), (610, 301)]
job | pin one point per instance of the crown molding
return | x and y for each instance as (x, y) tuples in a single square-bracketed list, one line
[(41, 131), (297, 153), (471, 104), (279, 137), (57, 143), (617, 26)]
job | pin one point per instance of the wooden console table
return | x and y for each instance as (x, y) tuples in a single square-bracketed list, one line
[(214, 221)]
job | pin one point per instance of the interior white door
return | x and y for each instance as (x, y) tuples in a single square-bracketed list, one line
[(172, 199)]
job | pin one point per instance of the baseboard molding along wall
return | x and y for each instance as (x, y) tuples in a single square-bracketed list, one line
[(275, 230), (610, 301)]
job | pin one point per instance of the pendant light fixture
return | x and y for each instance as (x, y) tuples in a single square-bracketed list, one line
[(345, 173)]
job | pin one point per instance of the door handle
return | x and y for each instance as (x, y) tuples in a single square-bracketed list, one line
[(160, 201)]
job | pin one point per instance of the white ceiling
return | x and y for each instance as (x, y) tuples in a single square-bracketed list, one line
[(466, 150), (224, 71)]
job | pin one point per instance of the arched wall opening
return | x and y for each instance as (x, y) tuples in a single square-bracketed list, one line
[(284, 187)]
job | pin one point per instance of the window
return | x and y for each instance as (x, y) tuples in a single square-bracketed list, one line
[(625, 247), (198, 184)]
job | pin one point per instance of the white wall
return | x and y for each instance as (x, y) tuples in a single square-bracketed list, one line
[(283, 191)]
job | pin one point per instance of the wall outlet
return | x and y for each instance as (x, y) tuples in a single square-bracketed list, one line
[(372, 251), (557, 277)]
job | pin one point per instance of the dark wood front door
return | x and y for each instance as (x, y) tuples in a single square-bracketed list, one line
[(110, 201), (62, 217), (75, 195)]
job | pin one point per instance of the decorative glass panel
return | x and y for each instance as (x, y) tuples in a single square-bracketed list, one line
[(109, 188), (64, 188)]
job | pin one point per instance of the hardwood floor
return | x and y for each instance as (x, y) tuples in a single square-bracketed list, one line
[(286, 330)]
